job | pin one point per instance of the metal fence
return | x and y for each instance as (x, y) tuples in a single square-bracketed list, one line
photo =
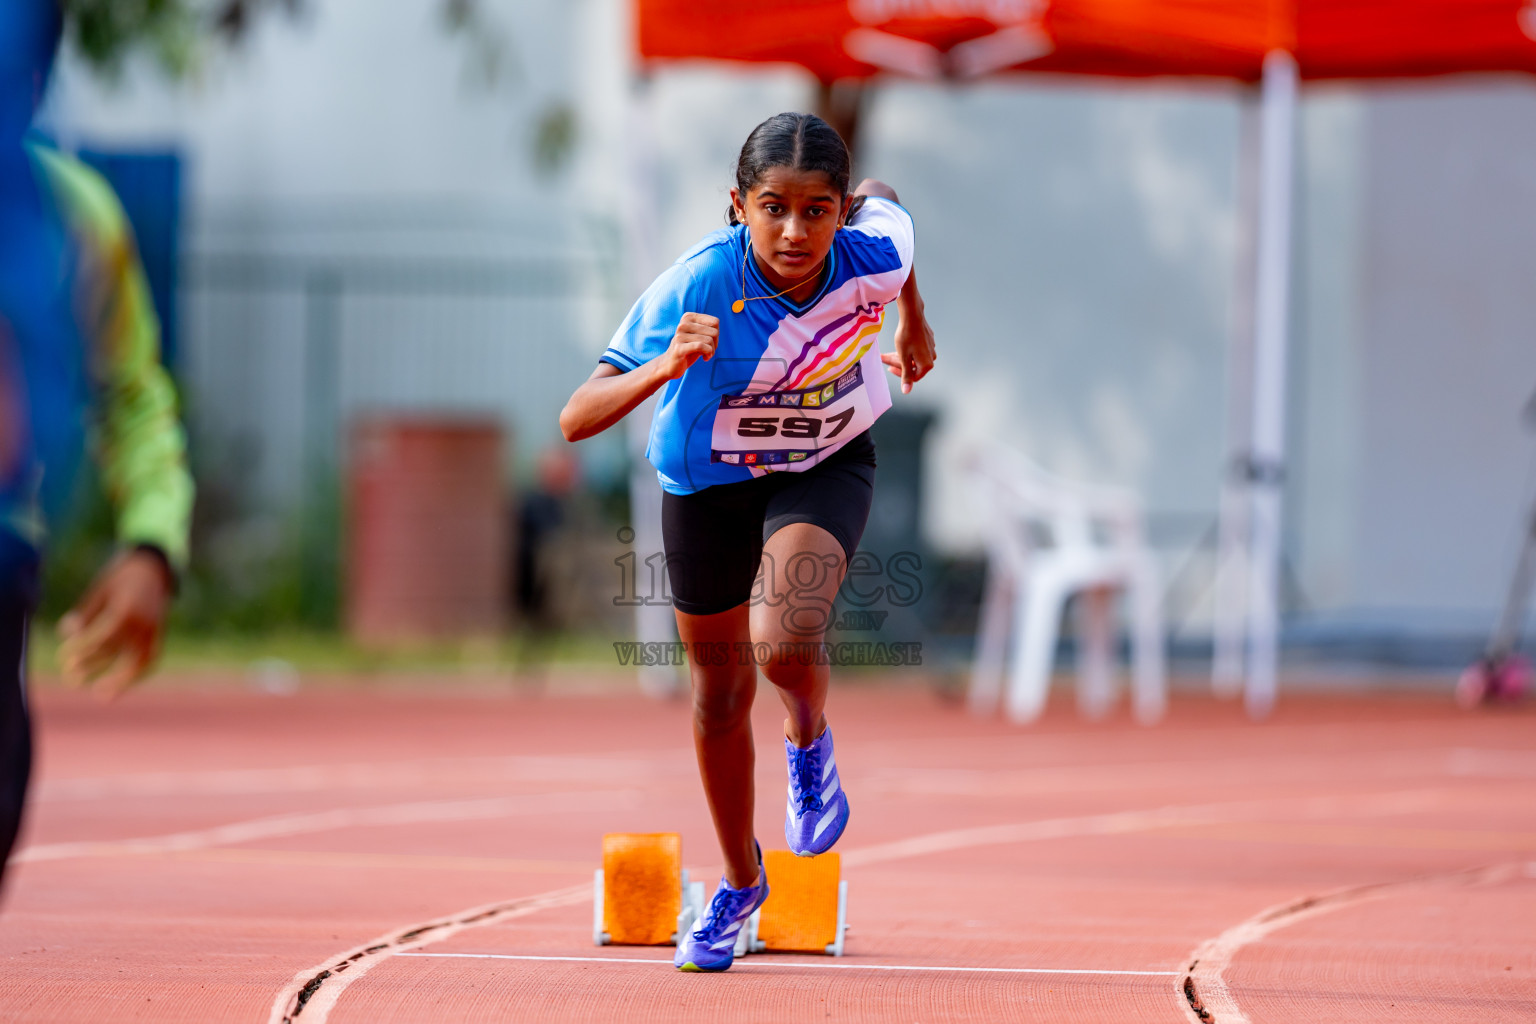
[(281, 352)]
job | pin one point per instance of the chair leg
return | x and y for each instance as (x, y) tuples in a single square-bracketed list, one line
[(1150, 673), (1037, 611), (991, 641), (1095, 653)]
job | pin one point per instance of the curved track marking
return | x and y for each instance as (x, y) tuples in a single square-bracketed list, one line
[(310, 996), (327, 821), (1202, 990), (308, 999)]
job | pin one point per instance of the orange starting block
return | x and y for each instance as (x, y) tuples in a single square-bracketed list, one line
[(641, 896), (807, 907)]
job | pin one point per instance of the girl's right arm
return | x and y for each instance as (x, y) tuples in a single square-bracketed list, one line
[(609, 394)]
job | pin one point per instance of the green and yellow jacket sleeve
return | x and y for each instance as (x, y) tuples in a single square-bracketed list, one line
[(137, 438)]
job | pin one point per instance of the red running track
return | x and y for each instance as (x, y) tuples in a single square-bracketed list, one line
[(203, 854)]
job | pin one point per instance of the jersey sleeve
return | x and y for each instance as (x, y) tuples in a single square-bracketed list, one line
[(138, 442), (648, 329), (882, 218)]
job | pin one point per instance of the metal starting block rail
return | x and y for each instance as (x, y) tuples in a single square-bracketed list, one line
[(642, 896)]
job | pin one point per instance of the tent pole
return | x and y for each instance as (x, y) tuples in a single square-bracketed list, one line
[(1232, 526), (654, 621), (1266, 471), (841, 104)]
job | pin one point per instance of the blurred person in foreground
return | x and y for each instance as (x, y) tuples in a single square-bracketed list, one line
[(78, 335)]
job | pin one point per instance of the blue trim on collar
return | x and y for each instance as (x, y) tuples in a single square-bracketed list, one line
[(829, 274)]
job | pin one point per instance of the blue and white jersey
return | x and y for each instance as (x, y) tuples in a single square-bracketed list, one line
[(789, 384)]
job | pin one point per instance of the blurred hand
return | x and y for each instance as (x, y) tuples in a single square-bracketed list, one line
[(112, 637)]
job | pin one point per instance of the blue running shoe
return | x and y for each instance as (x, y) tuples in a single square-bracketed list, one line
[(818, 807), (712, 946)]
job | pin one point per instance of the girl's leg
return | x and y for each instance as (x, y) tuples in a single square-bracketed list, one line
[(802, 568), (722, 730)]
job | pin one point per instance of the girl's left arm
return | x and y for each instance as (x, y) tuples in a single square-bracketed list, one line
[(914, 355)]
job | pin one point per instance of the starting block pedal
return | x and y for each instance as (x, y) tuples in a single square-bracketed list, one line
[(641, 896), (806, 910)]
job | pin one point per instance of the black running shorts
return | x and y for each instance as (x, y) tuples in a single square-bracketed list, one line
[(714, 537)]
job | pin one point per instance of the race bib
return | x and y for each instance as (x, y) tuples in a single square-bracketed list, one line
[(778, 430)]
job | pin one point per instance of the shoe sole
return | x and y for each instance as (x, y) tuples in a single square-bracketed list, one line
[(693, 968)]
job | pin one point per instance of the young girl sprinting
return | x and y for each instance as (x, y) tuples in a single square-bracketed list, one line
[(763, 340)]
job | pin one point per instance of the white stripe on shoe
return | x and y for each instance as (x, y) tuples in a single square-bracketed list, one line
[(821, 826), (828, 793)]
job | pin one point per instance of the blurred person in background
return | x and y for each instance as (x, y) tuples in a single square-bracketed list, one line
[(542, 513), (78, 335)]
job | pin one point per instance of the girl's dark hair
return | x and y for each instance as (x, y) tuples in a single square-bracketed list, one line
[(803, 142)]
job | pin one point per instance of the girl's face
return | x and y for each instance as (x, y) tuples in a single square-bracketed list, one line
[(793, 217)]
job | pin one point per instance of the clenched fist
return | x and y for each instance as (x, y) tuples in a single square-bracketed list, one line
[(696, 337)]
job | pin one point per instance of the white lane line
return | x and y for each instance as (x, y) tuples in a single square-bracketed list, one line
[(365, 775), (653, 764), (1388, 766), (310, 996), (327, 821), (1119, 822), (1203, 987), (756, 964), (1481, 763)]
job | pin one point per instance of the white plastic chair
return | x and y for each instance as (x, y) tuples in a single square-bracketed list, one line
[(1051, 539)]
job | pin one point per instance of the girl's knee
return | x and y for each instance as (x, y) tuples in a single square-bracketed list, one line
[(790, 624), (790, 656), (721, 709), (791, 621)]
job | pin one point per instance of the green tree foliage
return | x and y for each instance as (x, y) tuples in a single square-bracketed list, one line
[(174, 33), (178, 35)]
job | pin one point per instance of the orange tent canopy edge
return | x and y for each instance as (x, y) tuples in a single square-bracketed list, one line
[(966, 39)]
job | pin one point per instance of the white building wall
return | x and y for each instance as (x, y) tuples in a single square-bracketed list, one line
[(355, 139), (1448, 349), (1322, 488)]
